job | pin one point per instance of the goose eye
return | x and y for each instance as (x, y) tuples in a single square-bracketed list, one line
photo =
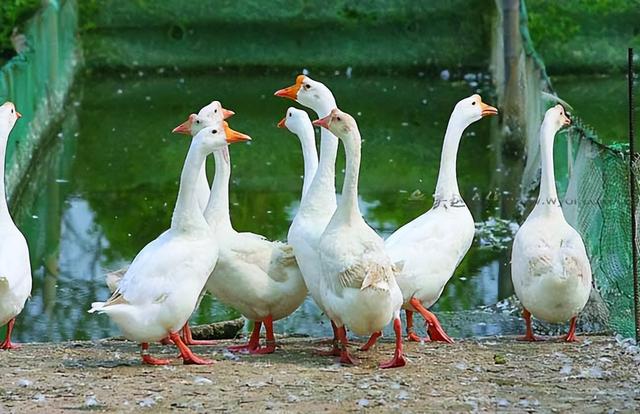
[(215, 111), (338, 119), (473, 103), (307, 86), (213, 131), (290, 114), (197, 121), (11, 110)]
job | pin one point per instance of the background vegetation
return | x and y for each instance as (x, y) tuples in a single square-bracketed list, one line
[(12, 14)]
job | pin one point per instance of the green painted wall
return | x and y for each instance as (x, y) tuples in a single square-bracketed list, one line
[(38, 80), (375, 36)]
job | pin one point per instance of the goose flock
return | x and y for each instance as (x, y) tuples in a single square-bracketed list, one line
[(358, 280)]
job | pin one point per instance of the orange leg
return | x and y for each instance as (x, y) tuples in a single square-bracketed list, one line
[(345, 356), (7, 344), (188, 357), (411, 335), (271, 339), (148, 359), (254, 341), (372, 341), (187, 337), (335, 344), (528, 336), (166, 341), (434, 328), (571, 336), (398, 359)]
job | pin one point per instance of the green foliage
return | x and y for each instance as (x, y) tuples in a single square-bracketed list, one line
[(88, 9), (583, 35), (12, 14)]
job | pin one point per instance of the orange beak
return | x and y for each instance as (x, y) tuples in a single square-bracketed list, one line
[(185, 127), (281, 124), (566, 121), (227, 113), (487, 110), (18, 114), (292, 91), (234, 136), (323, 122)]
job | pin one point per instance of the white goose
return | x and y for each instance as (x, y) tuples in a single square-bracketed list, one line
[(550, 269), (319, 203), (15, 267), (429, 248), (161, 287), (298, 122), (257, 277), (358, 284), (210, 115)]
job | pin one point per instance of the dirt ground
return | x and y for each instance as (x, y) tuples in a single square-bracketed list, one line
[(597, 375)]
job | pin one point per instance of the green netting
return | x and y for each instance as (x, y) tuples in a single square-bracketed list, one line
[(593, 181), (597, 204), (37, 81)]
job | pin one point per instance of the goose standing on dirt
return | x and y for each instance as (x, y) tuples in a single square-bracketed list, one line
[(358, 284), (298, 122), (319, 203), (550, 269), (257, 277), (210, 115), (161, 288), (15, 266), (429, 249)]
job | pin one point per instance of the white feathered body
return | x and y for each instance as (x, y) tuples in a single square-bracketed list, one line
[(428, 250), (549, 267), (162, 285), (15, 271), (257, 277), (304, 237), (358, 286)]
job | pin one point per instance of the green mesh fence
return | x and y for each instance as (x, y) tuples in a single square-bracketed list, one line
[(37, 81), (593, 181), (597, 204)]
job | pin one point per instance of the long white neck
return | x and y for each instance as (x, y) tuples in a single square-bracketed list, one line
[(203, 187), (217, 211), (348, 209), (322, 191), (447, 185), (548, 197), (187, 214), (4, 208), (309, 155)]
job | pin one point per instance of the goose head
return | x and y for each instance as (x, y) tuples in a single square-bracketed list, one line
[(216, 112), (472, 109), (214, 138), (295, 120), (341, 124), (8, 115), (211, 114), (310, 93), (555, 118)]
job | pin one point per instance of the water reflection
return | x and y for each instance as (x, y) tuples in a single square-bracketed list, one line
[(107, 182)]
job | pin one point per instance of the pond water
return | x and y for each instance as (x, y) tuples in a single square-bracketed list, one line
[(106, 184)]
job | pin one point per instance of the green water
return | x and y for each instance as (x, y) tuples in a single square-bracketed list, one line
[(106, 183)]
